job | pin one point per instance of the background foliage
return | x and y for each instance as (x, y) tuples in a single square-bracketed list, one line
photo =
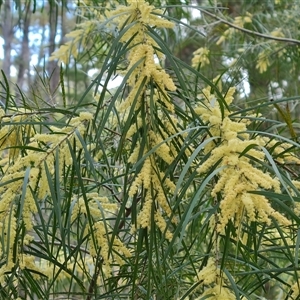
[(149, 150)]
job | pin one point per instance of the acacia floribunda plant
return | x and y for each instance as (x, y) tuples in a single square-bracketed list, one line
[(159, 189)]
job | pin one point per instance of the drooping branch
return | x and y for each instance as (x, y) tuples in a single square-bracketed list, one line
[(251, 32)]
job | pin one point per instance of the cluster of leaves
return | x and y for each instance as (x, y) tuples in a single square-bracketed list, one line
[(127, 196)]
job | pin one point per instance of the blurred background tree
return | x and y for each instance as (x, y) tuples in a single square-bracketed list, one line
[(238, 35), (261, 68)]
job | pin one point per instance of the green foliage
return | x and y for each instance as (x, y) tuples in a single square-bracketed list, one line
[(164, 187)]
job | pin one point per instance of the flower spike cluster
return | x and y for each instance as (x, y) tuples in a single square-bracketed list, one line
[(212, 278), (100, 209), (134, 21), (201, 57), (136, 18), (32, 167), (76, 38), (239, 175), (26, 179)]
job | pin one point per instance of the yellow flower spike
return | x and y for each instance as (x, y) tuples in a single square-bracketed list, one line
[(100, 208), (27, 261), (163, 150), (239, 21), (78, 37), (12, 182), (201, 57), (239, 177), (277, 33), (229, 95), (209, 273), (144, 216), (9, 230), (86, 116), (248, 19), (218, 292), (209, 277), (228, 33), (161, 224), (262, 62), (249, 206), (144, 177), (134, 20), (4, 269)]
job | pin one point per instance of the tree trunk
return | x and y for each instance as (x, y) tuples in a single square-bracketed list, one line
[(8, 34), (24, 69), (52, 68)]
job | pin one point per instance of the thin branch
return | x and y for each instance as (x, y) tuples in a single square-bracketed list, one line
[(251, 32), (72, 247), (284, 166), (93, 282)]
